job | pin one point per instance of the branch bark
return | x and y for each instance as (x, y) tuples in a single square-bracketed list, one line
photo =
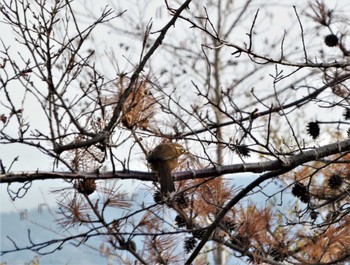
[(285, 163)]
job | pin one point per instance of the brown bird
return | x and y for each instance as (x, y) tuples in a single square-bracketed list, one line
[(164, 159)]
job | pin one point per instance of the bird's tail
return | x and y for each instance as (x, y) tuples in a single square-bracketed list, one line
[(165, 179)]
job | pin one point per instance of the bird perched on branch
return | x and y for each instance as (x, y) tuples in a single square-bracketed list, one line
[(163, 160)]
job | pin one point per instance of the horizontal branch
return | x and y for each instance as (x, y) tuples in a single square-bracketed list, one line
[(98, 138), (12, 177), (289, 162)]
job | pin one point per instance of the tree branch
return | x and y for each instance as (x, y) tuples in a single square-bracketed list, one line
[(288, 165), (290, 162)]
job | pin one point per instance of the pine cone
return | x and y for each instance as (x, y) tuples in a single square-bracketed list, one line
[(313, 129), (331, 40)]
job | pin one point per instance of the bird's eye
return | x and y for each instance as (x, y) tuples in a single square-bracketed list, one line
[(181, 149)]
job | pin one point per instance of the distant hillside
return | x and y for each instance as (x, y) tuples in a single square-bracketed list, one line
[(16, 226)]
